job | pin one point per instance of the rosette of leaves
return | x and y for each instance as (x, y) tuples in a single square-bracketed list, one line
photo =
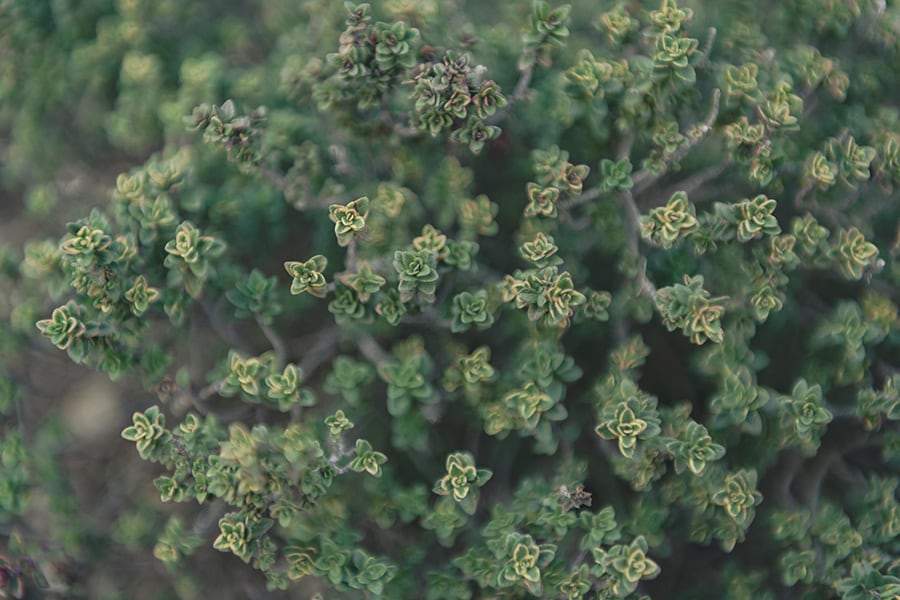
[(149, 433), (810, 236), (285, 389), (470, 371), (255, 296), (148, 206), (765, 300), (797, 566), (349, 219), (624, 566), (627, 421), (337, 424), (331, 561), (616, 175), (365, 282), (552, 168), (371, 572), (852, 160), (694, 449), (475, 134), (672, 54), (85, 242), (873, 407), (461, 254), (669, 16), (308, 276), (542, 201), (348, 378), (346, 305), (175, 543), (242, 534), (782, 108), (667, 224), (617, 24), (417, 272), (246, 375), (741, 84), (738, 401), (407, 379), (528, 405), (584, 78), (821, 171), (365, 458), (595, 307), (471, 309), (395, 46), (488, 99), (65, 329), (853, 253), (451, 94), (300, 560), (478, 215), (667, 138), (432, 239), (549, 30), (140, 295), (97, 264), (738, 496), (462, 481), (390, 307), (524, 559), (807, 411), (188, 257), (238, 134), (689, 307), (445, 520), (756, 217), (541, 251), (547, 295), (868, 581)]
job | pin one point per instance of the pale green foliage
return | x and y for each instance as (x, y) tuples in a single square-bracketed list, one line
[(483, 299)]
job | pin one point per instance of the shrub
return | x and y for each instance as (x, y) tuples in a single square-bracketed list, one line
[(456, 300)]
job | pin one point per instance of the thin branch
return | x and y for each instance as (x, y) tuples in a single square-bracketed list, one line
[(320, 351), (625, 144), (633, 222), (696, 181), (813, 475), (586, 196), (707, 47), (373, 351), (278, 346), (645, 178), (350, 259), (339, 451), (276, 179), (518, 94), (405, 131), (223, 330), (208, 517), (210, 390)]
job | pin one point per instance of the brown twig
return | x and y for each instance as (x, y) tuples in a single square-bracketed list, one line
[(274, 339), (326, 341), (373, 351), (633, 222), (645, 178), (518, 94)]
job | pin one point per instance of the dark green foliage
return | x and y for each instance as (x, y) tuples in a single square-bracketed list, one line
[(512, 299)]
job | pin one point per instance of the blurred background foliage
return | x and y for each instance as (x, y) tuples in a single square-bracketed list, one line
[(90, 89)]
